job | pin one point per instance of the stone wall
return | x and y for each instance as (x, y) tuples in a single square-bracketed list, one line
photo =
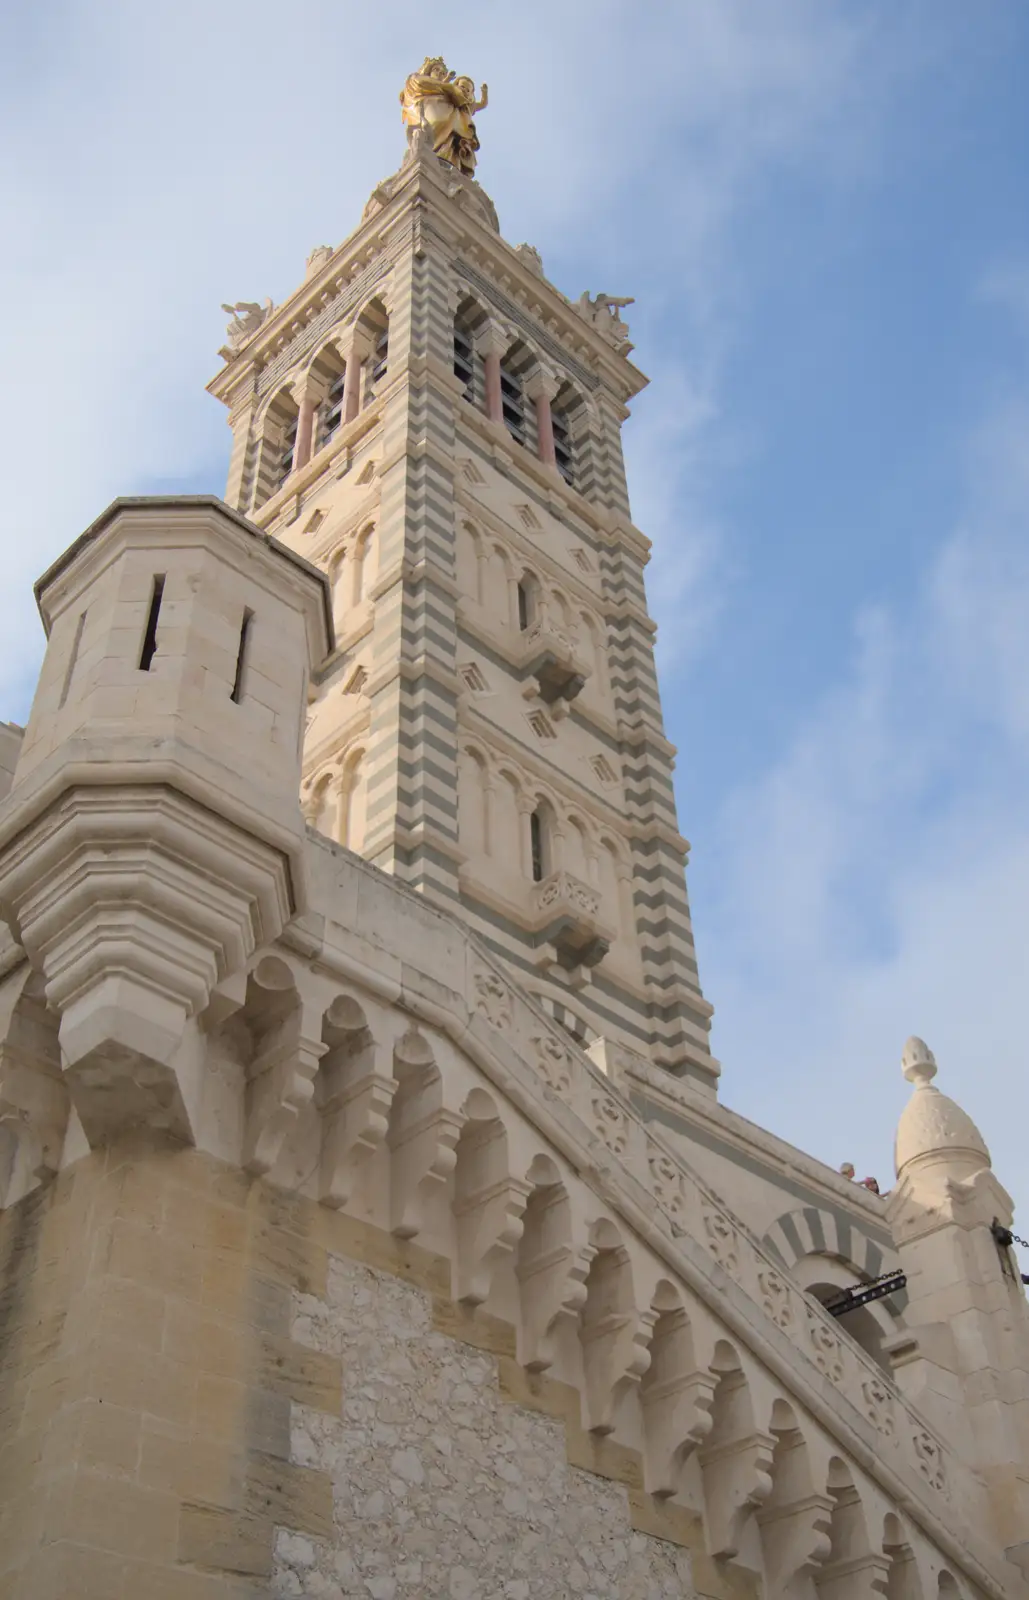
[(441, 1488)]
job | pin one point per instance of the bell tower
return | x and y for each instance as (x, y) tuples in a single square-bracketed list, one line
[(437, 427)]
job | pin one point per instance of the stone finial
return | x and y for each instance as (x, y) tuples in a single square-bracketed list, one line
[(933, 1130), (918, 1063)]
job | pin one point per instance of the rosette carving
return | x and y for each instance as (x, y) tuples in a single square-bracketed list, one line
[(826, 1348), (929, 1456), (554, 1062), (666, 1181), (610, 1123), (722, 1240), (776, 1297), (492, 1000), (879, 1407)]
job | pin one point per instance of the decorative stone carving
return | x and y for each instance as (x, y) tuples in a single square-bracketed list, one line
[(722, 1240), (488, 1202), (567, 915), (879, 1406), (287, 1047), (601, 312), (530, 257), (826, 1348), (354, 1097), (554, 1062), (777, 1297), (676, 1396), (929, 1456), (666, 1179), (422, 1136), (492, 1000), (247, 316), (610, 1123), (614, 1335), (550, 656)]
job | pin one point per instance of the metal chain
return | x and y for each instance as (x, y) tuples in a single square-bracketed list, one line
[(1023, 1242)]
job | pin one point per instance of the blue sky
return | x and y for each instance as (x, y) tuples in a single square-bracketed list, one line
[(820, 208)]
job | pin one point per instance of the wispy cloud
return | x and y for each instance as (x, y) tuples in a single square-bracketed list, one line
[(874, 877)]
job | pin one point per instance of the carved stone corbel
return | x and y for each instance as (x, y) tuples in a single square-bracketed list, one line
[(737, 1476), (354, 1097), (488, 1207), (422, 1137), (795, 1540), (286, 1030)]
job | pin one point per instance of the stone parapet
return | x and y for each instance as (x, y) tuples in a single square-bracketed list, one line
[(388, 1066)]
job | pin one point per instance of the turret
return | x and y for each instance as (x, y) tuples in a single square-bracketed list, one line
[(967, 1356), (152, 837)]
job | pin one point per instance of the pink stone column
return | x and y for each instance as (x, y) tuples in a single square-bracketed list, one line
[(305, 432), (494, 400), (545, 429)]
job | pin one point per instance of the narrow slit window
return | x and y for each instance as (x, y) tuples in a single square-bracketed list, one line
[(537, 845), (149, 650), (72, 659), (526, 607), (241, 657)]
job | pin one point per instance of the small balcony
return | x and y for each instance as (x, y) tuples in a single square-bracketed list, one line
[(567, 919), (549, 656)]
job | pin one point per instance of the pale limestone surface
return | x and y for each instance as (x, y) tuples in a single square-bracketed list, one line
[(441, 1489)]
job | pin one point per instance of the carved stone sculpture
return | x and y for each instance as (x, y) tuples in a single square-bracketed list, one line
[(601, 311), (247, 316)]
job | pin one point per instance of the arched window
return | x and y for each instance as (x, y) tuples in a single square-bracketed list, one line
[(469, 367), (359, 564), (568, 416), (518, 410), (528, 601), (371, 337), (330, 412), (284, 466), (278, 442)]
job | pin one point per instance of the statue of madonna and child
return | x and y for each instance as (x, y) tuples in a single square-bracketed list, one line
[(443, 105)]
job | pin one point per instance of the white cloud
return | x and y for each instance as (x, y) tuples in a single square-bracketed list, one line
[(876, 876)]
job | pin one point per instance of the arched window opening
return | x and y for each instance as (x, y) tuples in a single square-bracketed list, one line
[(528, 602), (568, 417), (513, 401), (563, 446), (517, 408), (538, 844), (380, 357), (469, 367), (860, 1324), (284, 463), (371, 339), (330, 413)]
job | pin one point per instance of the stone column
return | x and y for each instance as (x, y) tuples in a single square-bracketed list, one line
[(305, 430), (357, 350), (541, 386), (489, 343)]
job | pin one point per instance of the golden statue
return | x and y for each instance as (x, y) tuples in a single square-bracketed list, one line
[(443, 105)]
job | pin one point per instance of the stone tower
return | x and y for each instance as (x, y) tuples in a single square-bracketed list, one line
[(329, 1264), (437, 426)]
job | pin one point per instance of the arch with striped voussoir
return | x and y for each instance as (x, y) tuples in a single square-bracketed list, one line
[(826, 1253)]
